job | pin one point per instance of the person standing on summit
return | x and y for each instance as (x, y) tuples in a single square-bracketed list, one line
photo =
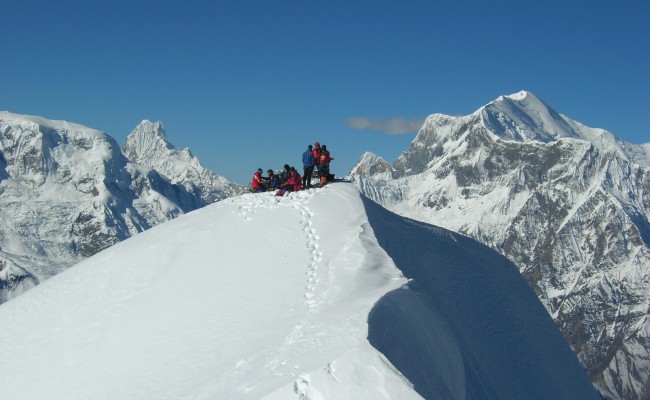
[(316, 152), (324, 165), (308, 162)]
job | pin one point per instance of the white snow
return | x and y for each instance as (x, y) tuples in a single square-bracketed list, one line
[(300, 297), (521, 95), (148, 145), (17, 279), (51, 124), (525, 117)]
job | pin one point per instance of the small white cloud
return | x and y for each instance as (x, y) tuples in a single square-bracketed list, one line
[(393, 126)]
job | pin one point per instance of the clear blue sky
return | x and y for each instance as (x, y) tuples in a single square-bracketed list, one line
[(248, 84)]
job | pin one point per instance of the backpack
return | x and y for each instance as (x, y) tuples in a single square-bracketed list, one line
[(324, 157)]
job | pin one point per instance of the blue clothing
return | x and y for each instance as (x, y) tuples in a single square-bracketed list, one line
[(308, 159), (274, 182)]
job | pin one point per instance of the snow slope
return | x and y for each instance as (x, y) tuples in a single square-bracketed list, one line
[(67, 192), (301, 297)]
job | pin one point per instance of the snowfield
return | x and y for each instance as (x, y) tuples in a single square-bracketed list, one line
[(318, 295)]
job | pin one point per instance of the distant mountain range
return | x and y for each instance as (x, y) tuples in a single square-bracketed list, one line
[(68, 191), (568, 204)]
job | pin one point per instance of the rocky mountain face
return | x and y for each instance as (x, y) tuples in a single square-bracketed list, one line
[(68, 192), (568, 204), (148, 145)]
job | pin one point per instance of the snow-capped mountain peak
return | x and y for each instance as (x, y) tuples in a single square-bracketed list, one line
[(370, 164), (148, 145), (145, 139), (524, 117), (522, 95), (567, 203)]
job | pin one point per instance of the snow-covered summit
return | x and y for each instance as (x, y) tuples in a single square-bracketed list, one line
[(304, 296), (39, 151), (148, 145), (370, 164), (567, 203), (59, 125), (521, 95), (145, 138), (525, 117)]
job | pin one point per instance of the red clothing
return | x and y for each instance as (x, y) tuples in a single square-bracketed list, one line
[(257, 181), (295, 180), (325, 158), (316, 152)]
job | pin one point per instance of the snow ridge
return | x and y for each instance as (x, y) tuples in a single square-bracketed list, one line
[(267, 297)]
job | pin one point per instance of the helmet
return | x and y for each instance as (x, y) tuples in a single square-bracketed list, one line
[(324, 147), (259, 170), (270, 171)]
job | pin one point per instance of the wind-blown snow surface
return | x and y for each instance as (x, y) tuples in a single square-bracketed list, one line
[(280, 297)]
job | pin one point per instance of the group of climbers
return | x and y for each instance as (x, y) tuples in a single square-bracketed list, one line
[(316, 158), (289, 180)]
